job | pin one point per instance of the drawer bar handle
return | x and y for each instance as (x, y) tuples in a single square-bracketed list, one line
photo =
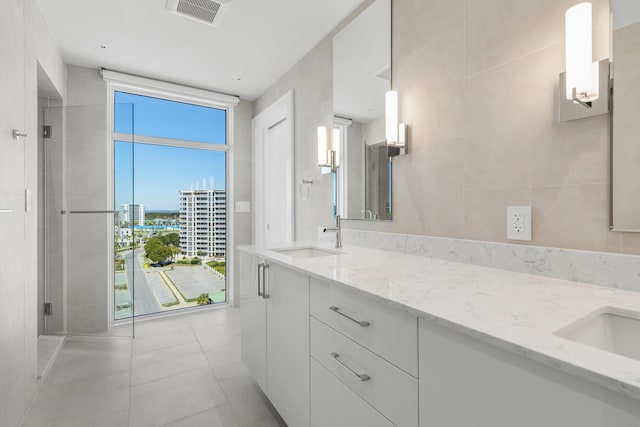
[(260, 277), (362, 323), (362, 377)]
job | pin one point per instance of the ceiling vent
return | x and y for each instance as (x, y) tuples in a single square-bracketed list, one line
[(206, 11)]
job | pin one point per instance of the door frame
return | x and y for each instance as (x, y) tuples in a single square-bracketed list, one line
[(281, 113)]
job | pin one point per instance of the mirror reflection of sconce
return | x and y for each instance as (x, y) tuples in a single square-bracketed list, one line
[(328, 150), (582, 74), (584, 81), (396, 133)]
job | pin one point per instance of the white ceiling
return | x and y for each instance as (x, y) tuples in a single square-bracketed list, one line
[(255, 43), (625, 12)]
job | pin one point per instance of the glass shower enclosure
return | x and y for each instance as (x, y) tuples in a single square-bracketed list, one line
[(89, 267)]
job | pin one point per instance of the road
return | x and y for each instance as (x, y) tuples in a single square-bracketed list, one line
[(144, 302)]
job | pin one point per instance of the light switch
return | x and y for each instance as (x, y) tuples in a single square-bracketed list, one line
[(243, 207), (28, 200)]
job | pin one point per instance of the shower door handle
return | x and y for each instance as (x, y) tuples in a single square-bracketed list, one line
[(88, 212)]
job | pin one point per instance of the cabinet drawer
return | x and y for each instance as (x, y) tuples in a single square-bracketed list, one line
[(334, 405), (393, 392), (390, 333)]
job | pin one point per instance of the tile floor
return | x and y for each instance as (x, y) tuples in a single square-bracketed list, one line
[(49, 347), (180, 371)]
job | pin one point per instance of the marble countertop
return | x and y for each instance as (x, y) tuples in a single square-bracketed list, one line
[(514, 311)]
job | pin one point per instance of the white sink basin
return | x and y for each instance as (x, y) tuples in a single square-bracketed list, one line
[(610, 329), (306, 252)]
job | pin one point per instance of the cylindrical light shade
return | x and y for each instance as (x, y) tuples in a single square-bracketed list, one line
[(336, 145), (323, 149), (579, 53), (391, 115)]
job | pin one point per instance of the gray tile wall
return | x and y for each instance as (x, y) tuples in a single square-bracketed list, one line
[(85, 149), (243, 176), (477, 83), (25, 41), (312, 84)]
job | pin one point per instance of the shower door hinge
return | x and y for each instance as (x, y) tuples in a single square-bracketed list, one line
[(48, 308), (46, 132)]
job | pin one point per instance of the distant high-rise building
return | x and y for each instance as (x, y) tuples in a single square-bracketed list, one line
[(203, 222), (132, 214)]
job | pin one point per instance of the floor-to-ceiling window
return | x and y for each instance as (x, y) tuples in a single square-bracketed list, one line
[(171, 191)]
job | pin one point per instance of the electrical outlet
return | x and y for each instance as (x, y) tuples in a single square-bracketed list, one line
[(519, 222)]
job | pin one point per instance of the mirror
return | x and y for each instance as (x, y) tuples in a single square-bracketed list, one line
[(625, 153), (361, 76)]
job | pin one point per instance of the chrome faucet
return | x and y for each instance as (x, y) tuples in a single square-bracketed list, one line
[(367, 214), (337, 231)]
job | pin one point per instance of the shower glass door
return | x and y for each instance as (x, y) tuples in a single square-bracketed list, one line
[(88, 279)]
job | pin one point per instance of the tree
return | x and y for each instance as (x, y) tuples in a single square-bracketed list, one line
[(156, 250), (159, 248), (172, 239), (159, 253), (151, 245), (203, 299)]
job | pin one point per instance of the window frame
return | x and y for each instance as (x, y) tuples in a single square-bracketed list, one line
[(120, 82)]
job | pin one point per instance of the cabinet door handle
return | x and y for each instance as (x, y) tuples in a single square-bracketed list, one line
[(361, 377), (265, 281), (362, 323), (260, 277)]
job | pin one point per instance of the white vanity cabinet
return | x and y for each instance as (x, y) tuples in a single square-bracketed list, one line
[(288, 343), (253, 307), (364, 361), (330, 355), (466, 382), (275, 335), (333, 404)]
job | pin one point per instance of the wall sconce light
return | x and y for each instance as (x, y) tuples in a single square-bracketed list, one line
[(396, 134), (584, 88), (582, 79), (328, 151)]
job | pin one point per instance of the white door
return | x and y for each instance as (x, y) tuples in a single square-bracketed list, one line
[(273, 197), (277, 229)]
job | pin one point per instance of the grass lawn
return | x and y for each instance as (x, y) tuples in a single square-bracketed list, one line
[(218, 297)]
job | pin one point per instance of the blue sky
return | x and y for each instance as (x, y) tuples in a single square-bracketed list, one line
[(159, 172)]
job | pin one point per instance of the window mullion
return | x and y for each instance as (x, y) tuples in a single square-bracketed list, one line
[(170, 142)]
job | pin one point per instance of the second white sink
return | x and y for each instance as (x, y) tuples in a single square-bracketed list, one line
[(610, 329)]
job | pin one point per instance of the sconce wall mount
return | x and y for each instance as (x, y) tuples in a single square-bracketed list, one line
[(328, 150), (569, 110)]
